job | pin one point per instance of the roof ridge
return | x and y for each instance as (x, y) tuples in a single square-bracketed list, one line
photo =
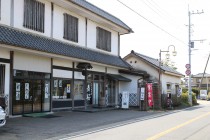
[(146, 56), (156, 63), (79, 2)]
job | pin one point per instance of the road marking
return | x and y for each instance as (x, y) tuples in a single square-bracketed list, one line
[(177, 127)]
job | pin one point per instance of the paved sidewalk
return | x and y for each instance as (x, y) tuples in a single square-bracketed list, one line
[(60, 124)]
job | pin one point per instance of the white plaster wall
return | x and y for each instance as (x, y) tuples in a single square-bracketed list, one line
[(67, 74), (112, 70), (62, 62), (5, 12), (141, 65), (58, 25), (19, 16), (4, 53), (23, 61), (132, 86), (78, 75), (91, 37), (97, 68), (62, 73), (173, 80)]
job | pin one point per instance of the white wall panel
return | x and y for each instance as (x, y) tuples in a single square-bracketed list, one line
[(132, 86), (112, 71), (91, 37), (62, 62), (58, 27), (97, 68), (31, 62), (19, 17), (4, 53), (5, 12), (62, 73)]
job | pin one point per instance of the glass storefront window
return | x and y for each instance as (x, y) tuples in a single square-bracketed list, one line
[(61, 89), (31, 92), (78, 89)]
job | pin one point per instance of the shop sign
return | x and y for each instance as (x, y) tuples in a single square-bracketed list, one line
[(26, 91), (17, 91), (46, 91), (142, 94), (55, 83), (149, 93), (68, 90)]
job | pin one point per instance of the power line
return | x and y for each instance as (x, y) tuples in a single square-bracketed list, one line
[(152, 22), (165, 14)]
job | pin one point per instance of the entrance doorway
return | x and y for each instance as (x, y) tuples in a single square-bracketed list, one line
[(32, 93)]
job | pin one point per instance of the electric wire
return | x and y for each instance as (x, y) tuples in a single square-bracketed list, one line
[(165, 14), (152, 23)]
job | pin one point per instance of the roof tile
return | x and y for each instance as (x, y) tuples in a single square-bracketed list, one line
[(14, 37)]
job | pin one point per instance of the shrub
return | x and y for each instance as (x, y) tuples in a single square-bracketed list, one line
[(184, 90), (176, 100), (184, 98)]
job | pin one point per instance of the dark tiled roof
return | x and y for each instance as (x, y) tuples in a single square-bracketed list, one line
[(100, 12), (199, 75), (14, 37), (155, 62)]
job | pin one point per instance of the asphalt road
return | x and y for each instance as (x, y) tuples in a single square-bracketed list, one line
[(65, 123), (189, 124)]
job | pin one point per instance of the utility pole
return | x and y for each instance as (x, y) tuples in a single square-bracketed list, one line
[(204, 74), (190, 45)]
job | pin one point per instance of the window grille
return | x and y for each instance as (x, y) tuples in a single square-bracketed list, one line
[(103, 39), (70, 28), (34, 14)]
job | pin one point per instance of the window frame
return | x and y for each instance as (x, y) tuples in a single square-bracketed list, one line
[(103, 39), (71, 27), (34, 15)]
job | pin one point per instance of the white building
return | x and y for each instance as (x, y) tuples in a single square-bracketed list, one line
[(168, 78), (58, 55)]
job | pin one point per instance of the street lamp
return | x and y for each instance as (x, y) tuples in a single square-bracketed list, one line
[(174, 53)]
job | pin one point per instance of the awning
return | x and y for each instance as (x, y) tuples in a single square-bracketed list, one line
[(119, 77)]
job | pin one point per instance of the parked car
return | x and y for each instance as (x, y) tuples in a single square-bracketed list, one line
[(203, 95), (2, 117)]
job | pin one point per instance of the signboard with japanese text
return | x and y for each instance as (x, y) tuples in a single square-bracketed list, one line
[(149, 93), (26, 91), (142, 94)]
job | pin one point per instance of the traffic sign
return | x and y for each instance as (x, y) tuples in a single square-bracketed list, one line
[(187, 66), (188, 72)]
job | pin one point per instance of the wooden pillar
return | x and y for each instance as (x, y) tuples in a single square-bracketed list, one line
[(11, 81), (72, 89)]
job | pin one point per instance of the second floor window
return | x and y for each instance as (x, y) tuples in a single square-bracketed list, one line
[(34, 12), (70, 28), (103, 39)]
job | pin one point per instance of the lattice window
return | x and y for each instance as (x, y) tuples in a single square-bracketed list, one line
[(34, 15), (70, 28), (103, 39)]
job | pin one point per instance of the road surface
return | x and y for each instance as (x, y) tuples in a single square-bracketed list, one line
[(189, 124)]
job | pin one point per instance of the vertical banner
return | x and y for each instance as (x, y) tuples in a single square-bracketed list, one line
[(46, 91), (17, 91), (149, 93), (26, 91), (68, 89), (142, 93)]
